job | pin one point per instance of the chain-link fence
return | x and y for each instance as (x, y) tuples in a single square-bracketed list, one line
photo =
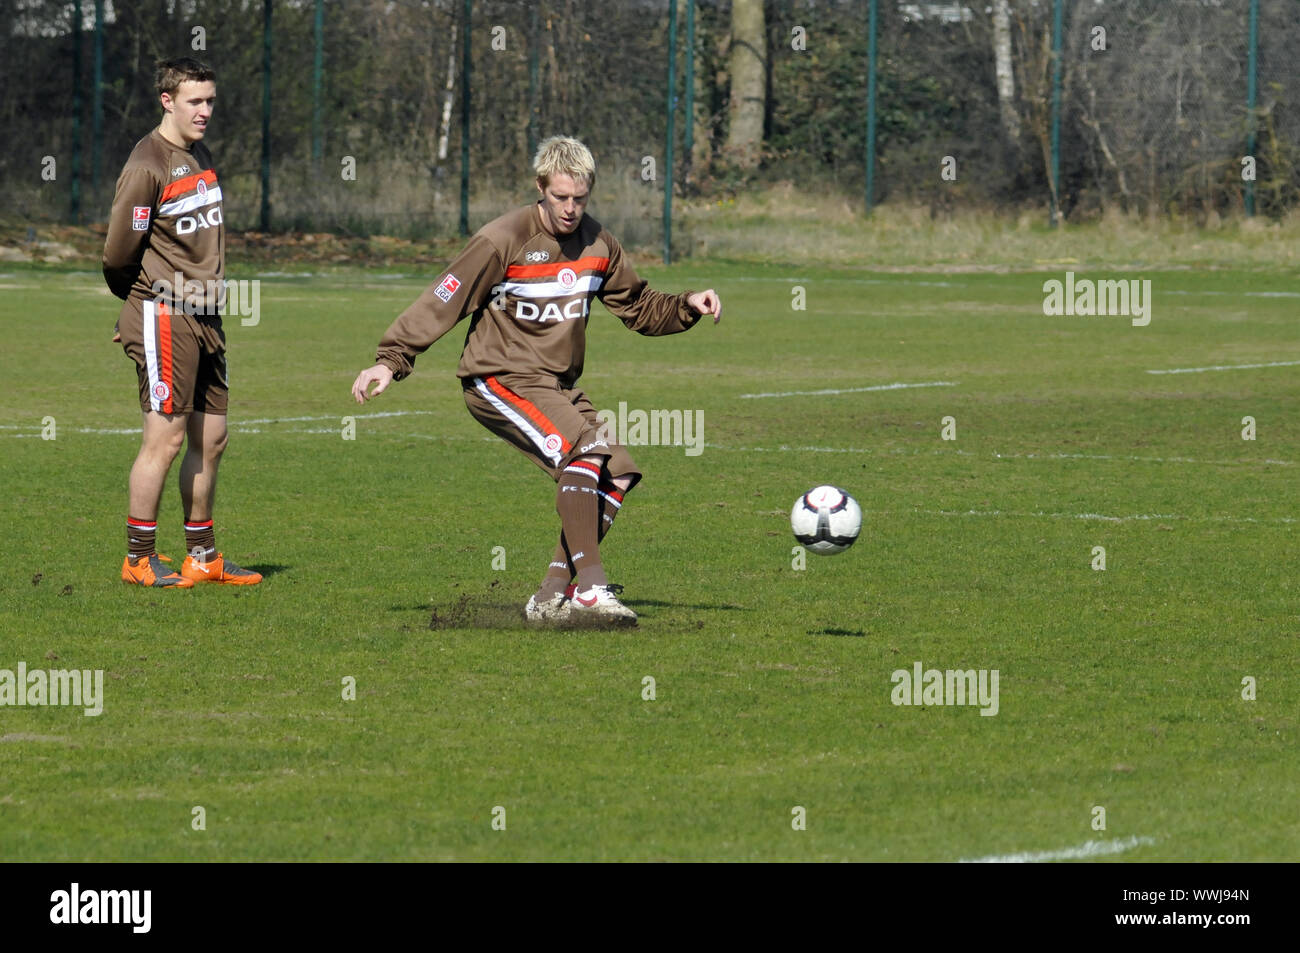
[(1154, 115)]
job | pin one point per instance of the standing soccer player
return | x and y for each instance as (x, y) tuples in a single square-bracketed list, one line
[(165, 257), (528, 278)]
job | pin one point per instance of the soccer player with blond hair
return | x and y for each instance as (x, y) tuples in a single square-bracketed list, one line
[(527, 280)]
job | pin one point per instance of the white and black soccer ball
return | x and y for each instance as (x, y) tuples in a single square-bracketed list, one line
[(826, 520)]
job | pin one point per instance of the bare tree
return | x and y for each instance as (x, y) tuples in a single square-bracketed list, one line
[(1003, 70), (748, 83)]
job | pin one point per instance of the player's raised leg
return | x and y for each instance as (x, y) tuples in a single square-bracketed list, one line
[(160, 440), (198, 483)]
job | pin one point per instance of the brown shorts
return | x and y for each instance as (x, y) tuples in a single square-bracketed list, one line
[(180, 359), (548, 424)]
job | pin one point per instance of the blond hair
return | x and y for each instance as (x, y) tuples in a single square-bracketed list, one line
[(564, 155)]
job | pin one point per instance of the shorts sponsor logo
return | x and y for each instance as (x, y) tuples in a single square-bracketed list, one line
[(447, 287), (593, 445), (552, 443), (568, 277), (161, 390), (140, 218), (535, 256)]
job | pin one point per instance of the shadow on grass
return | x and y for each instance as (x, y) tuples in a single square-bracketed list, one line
[(660, 604), (856, 633), (468, 612), (269, 569)]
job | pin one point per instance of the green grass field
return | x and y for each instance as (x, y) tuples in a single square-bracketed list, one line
[(1119, 688)]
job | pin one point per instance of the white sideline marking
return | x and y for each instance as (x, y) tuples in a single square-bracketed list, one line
[(786, 448), (297, 420), (1225, 367), (1240, 294), (1093, 848), (851, 390), (236, 426), (1097, 516)]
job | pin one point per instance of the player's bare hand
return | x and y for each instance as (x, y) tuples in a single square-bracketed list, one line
[(380, 375), (706, 302), (117, 337)]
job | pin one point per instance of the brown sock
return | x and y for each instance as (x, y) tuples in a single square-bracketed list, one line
[(560, 573), (200, 540), (611, 500), (578, 503), (140, 536)]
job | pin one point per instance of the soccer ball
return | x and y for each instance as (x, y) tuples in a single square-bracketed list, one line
[(826, 520)]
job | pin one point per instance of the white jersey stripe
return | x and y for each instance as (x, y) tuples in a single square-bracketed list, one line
[(151, 353), (551, 289), (191, 202), (531, 432)]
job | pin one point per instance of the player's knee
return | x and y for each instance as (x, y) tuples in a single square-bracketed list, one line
[(624, 483), (164, 445), (214, 447)]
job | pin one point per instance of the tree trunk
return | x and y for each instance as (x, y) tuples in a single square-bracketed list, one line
[(748, 83), (1005, 77)]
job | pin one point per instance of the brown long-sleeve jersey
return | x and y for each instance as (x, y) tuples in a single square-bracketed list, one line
[(529, 295), (167, 220)]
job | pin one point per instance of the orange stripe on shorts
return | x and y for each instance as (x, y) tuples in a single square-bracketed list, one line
[(529, 410), (165, 354)]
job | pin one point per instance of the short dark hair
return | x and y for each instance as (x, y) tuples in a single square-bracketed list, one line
[(171, 73)]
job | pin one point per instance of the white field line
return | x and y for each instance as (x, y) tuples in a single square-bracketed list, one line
[(1225, 367), (849, 390), (786, 448), (247, 427), (298, 420), (1042, 514), (1092, 848), (236, 426), (1239, 294)]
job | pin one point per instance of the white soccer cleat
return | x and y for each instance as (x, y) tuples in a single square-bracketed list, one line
[(600, 604), (554, 609)]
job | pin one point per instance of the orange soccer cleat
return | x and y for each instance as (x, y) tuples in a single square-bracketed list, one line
[(218, 569), (150, 571)]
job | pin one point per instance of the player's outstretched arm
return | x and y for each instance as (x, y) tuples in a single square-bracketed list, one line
[(706, 302), (381, 375)]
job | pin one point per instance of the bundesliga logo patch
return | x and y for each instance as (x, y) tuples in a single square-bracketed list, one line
[(140, 218), (447, 287)]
